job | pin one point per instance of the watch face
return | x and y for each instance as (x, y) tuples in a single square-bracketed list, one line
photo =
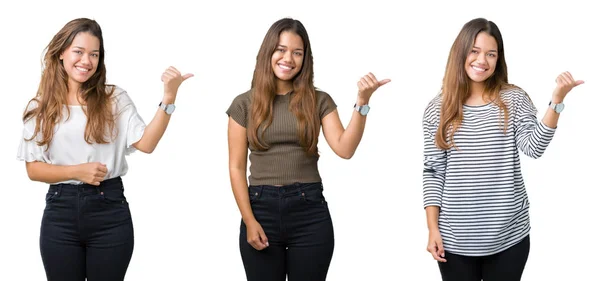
[(559, 107), (364, 109), (170, 108)]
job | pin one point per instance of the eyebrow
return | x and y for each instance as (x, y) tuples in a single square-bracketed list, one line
[(475, 47), (284, 46), (93, 51)]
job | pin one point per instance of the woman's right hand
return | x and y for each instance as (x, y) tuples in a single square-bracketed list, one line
[(256, 235), (90, 173), (435, 246)]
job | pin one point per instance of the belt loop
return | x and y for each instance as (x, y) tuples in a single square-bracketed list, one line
[(58, 189)]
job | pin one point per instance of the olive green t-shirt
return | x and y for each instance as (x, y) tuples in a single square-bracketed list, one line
[(286, 161)]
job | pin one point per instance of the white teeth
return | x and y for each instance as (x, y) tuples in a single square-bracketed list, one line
[(478, 68), (82, 69), (285, 67)]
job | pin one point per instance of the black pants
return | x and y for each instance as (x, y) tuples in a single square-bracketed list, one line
[(298, 226), (507, 265), (86, 232)]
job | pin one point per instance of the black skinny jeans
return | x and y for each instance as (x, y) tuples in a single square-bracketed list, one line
[(86, 232), (298, 226)]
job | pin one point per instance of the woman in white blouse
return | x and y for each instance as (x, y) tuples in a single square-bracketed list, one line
[(77, 131)]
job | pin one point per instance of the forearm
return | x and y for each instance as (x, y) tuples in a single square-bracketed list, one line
[(49, 173), (155, 130), (350, 138), (551, 117), (433, 213), (240, 192)]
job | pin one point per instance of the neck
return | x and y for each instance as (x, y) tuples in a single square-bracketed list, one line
[(284, 87), (476, 94), (73, 94)]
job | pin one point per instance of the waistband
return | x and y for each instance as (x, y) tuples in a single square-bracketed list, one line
[(109, 184)]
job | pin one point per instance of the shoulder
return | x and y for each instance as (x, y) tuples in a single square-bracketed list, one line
[(120, 97), (514, 96), (513, 92), (31, 105), (432, 110), (323, 97), (243, 99)]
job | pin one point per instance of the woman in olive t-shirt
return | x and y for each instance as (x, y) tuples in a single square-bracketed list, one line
[(286, 228)]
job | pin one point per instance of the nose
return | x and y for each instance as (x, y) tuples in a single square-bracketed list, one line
[(481, 58), (85, 59), (287, 56)]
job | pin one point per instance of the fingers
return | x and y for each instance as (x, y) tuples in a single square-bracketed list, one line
[(440, 252), (258, 240), (263, 238), (436, 253)]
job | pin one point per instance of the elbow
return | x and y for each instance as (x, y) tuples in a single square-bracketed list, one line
[(31, 173), (346, 155), (146, 150)]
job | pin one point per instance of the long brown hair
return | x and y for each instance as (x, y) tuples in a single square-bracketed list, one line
[(304, 100), (455, 88), (52, 92)]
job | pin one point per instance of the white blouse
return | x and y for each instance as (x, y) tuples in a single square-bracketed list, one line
[(68, 146)]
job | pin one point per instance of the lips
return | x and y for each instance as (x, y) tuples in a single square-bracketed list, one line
[(478, 69), (285, 67), (83, 70)]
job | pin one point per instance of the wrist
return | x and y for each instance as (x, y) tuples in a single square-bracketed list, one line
[(362, 101), (168, 99), (557, 100), (249, 219)]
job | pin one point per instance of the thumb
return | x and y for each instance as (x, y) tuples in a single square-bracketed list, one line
[(263, 238), (578, 82), (440, 251), (384, 81), (185, 77)]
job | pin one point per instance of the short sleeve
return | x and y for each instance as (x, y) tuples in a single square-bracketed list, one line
[(29, 150), (239, 108), (129, 119), (325, 104)]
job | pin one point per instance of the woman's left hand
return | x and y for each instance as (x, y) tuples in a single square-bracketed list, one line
[(367, 86), (172, 79), (564, 84)]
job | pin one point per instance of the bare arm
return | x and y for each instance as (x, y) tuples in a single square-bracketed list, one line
[(155, 130), (90, 173), (238, 155), (344, 142)]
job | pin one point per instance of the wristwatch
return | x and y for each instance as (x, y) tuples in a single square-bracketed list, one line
[(168, 108), (558, 107), (362, 109)]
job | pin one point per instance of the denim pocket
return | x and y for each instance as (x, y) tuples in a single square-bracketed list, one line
[(254, 193), (114, 197), (313, 196), (52, 193)]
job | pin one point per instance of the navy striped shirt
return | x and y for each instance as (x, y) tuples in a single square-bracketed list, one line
[(479, 186)]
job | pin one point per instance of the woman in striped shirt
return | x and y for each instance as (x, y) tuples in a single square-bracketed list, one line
[(473, 190)]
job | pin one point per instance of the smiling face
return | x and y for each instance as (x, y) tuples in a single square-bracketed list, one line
[(287, 59), (481, 60), (81, 58)]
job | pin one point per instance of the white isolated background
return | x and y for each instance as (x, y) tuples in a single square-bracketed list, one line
[(185, 218)]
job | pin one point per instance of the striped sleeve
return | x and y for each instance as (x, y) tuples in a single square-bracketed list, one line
[(532, 136), (434, 164)]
